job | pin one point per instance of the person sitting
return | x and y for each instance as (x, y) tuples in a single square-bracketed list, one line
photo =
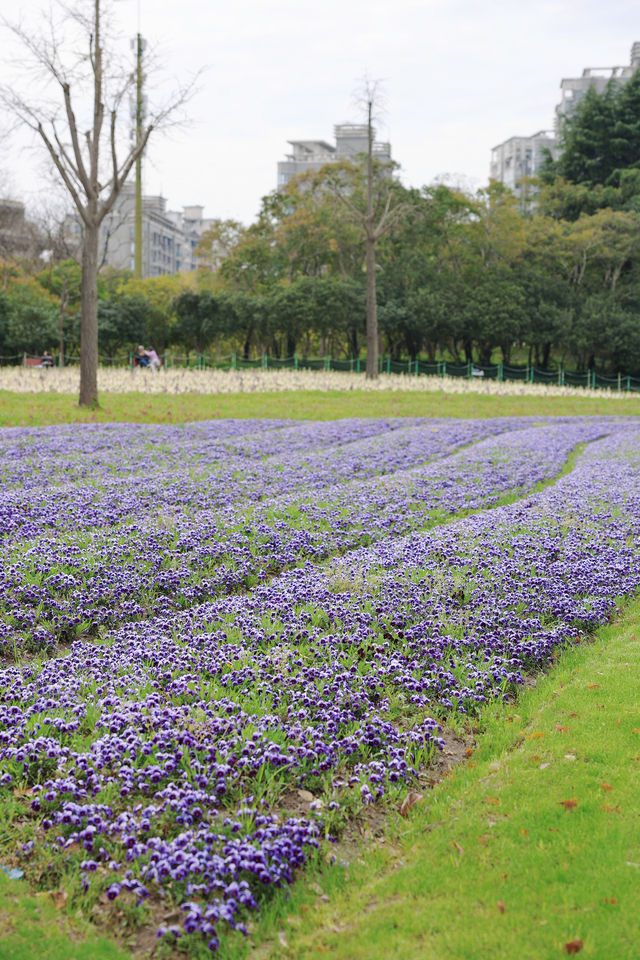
[(154, 360), (47, 359), (141, 359)]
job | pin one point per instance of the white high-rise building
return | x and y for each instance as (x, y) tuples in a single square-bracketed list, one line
[(351, 140), (520, 157), (573, 89), (169, 237)]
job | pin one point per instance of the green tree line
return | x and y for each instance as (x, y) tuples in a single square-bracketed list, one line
[(461, 276)]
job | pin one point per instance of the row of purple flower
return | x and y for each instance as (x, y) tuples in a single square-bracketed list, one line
[(163, 757)]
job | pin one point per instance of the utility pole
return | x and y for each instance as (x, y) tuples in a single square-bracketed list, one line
[(137, 235)]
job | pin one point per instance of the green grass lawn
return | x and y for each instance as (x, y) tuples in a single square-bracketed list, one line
[(36, 927), (36, 409)]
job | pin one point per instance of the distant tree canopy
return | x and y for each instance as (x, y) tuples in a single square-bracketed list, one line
[(463, 277), (599, 161)]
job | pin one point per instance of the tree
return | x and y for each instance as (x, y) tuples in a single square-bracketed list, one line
[(92, 181), (217, 242), (376, 212), (30, 318), (64, 280), (200, 319)]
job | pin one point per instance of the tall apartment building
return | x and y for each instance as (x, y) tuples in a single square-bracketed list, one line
[(520, 157), (169, 237), (351, 140), (18, 236), (573, 89)]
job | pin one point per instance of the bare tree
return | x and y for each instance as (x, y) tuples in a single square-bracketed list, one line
[(88, 163), (379, 213)]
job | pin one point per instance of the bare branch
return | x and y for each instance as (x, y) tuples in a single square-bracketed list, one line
[(73, 130), (63, 172)]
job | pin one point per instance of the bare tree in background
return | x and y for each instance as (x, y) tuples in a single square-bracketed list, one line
[(87, 161), (380, 211)]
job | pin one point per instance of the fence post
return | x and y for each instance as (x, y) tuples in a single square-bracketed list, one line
[(388, 363), (295, 361), (619, 385), (628, 382), (594, 378), (500, 378), (444, 368), (351, 363), (265, 361), (358, 365), (417, 367), (130, 361)]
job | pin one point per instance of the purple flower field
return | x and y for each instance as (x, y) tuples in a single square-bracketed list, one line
[(221, 640)]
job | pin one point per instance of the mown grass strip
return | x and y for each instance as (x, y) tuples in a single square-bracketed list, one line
[(531, 849), (36, 926), (20, 409)]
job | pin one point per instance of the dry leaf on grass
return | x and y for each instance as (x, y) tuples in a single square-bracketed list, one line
[(569, 804), (574, 946), (409, 801), (500, 906)]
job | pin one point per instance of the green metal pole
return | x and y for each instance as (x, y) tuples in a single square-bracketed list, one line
[(358, 365), (500, 377), (137, 237), (388, 363), (619, 384), (444, 368), (417, 367), (295, 361)]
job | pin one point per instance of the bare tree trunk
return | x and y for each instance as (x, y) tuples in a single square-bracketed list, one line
[(89, 322), (372, 312)]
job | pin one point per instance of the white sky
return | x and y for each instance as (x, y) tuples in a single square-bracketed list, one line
[(459, 77)]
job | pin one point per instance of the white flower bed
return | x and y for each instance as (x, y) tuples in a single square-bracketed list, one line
[(29, 380)]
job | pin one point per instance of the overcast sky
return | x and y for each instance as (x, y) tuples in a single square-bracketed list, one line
[(459, 77)]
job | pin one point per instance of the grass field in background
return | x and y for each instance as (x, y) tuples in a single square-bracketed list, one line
[(34, 409)]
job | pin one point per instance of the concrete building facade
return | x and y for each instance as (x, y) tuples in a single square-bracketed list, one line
[(169, 237), (573, 89), (520, 157), (351, 139)]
